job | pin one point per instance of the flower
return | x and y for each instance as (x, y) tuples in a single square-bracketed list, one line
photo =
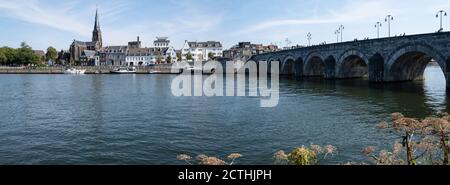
[(316, 148), (368, 150), (330, 149), (234, 156), (383, 125), (183, 157), (396, 116), (205, 160)]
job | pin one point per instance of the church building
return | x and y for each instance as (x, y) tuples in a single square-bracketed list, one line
[(78, 48)]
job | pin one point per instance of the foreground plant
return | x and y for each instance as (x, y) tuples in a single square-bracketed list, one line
[(304, 155), (426, 141), (207, 160)]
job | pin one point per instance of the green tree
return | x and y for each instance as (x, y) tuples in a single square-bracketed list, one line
[(10, 55), (159, 59), (3, 59), (211, 55), (189, 56), (25, 55), (51, 54), (169, 59)]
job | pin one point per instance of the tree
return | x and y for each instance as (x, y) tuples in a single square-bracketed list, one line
[(211, 55), (179, 56), (3, 59), (25, 55), (159, 59), (169, 59), (189, 56), (51, 54)]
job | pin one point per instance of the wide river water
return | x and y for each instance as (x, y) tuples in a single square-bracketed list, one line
[(135, 119)]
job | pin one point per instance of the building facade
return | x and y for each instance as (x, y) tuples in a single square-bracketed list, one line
[(114, 55), (245, 50), (201, 51), (90, 58), (161, 42)]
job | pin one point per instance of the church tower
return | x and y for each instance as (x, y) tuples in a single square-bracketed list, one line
[(97, 33)]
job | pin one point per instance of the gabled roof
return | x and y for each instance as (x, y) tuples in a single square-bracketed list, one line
[(89, 53)]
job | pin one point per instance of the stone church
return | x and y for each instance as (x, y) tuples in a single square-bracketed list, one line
[(78, 49)]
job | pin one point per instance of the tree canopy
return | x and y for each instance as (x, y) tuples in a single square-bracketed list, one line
[(20, 56)]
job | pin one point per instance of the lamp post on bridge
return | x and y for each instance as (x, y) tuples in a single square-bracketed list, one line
[(441, 14), (388, 19), (309, 36), (341, 30), (337, 32), (377, 26)]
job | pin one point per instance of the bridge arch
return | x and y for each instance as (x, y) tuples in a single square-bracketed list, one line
[(408, 62), (269, 64), (352, 64), (288, 66), (314, 66)]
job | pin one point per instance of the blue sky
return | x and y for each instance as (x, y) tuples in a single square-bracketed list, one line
[(42, 23)]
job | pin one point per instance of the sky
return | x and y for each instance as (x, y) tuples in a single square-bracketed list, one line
[(43, 23)]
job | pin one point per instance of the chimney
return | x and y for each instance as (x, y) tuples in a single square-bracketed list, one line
[(138, 38)]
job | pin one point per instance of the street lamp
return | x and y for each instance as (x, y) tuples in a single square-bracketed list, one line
[(388, 19), (377, 26), (441, 14), (337, 32), (341, 29), (309, 36)]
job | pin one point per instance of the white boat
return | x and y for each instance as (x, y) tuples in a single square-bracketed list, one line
[(124, 70), (74, 71)]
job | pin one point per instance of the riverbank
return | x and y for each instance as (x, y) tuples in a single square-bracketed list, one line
[(157, 69)]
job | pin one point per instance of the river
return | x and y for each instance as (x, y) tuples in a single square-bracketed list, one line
[(135, 119)]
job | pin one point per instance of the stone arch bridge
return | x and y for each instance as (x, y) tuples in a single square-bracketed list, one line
[(391, 59)]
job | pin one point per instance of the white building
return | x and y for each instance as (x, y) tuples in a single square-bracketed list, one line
[(162, 45), (200, 51), (161, 42), (139, 57)]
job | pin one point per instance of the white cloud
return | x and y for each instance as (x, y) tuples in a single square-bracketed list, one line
[(66, 16), (352, 12)]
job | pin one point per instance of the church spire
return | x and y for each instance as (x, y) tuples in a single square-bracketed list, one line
[(97, 33), (97, 22)]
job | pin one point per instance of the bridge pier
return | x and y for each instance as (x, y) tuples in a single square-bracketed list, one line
[(376, 69), (330, 68)]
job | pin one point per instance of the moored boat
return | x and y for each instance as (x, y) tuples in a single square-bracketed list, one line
[(75, 71), (124, 70)]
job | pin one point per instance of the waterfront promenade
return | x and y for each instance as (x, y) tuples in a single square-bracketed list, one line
[(157, 69)]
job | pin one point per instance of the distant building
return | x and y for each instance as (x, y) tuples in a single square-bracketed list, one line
[(245, 50), (113, 55), (90, 58), (135, 44), (161, 42), (162, 45), (77, 47), (138, 57), (200, 51), (63, 57)]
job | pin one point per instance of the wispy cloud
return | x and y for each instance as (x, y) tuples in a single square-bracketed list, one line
[(352, 12), (65, 17)]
